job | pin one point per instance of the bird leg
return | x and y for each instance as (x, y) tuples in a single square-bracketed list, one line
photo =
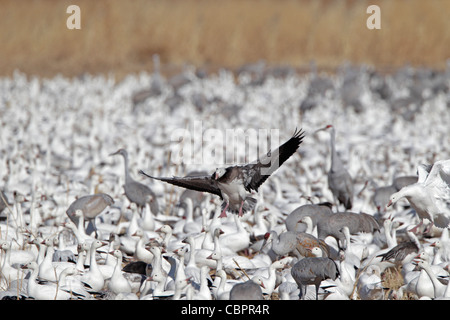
[(240, 209), (428, 228), (414, 230), (224, 211)]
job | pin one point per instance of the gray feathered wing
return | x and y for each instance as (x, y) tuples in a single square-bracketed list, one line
[(198, 183), (258, 171)]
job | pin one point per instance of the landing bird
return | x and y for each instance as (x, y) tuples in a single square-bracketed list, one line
[(234, 184), (430, 195)]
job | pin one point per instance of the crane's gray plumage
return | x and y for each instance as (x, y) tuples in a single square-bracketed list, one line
[(248, 290), (313, 270), (294, 243), (331, 225), (339, 180), (136, 192), (234, 184), (314, 211), (90, 205)]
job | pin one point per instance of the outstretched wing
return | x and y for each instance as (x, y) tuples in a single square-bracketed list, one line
[(439, 174), (198, 183), (258, 171), (437, 184)]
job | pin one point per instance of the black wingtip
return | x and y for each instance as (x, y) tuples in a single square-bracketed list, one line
[(144, 174), (299, 135)]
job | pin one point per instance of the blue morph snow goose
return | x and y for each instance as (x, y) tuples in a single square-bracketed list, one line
[(234, 184)]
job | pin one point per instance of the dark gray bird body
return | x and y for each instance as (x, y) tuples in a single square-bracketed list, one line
[(313, 270), (91, 206), (314, 211), (136, 192), (295, 244), (341, 185), (404, 251), (400, 252), (248, 290), (356, 222), (234, 184)]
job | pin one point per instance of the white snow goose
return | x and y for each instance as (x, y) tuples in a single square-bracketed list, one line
[(430, 195)]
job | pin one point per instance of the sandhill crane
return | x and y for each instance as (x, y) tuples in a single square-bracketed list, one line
[(313, 270), (314, 211), (339, 180), (136, 192), (331, 225), (295, 243), (91, 206)]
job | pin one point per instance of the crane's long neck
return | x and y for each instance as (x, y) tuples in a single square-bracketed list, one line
[(127, 173), (336, 162)]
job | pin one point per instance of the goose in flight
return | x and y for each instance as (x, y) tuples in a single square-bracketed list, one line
[(234, 184), (430, 195)]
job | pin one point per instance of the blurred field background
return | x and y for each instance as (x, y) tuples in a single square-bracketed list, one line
[(120, 37)]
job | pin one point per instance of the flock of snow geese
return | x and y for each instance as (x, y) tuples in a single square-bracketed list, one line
[(355, 205)]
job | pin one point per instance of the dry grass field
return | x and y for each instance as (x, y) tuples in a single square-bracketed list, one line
[(121, 36)]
